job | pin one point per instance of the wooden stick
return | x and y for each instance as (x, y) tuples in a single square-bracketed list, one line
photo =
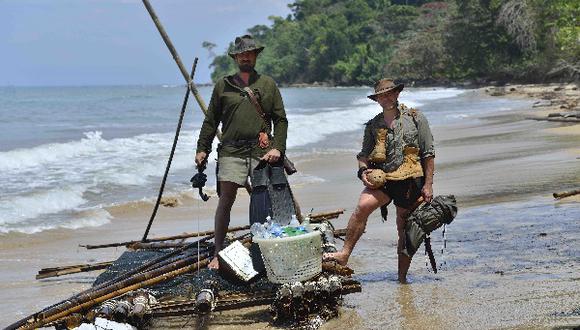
[(563, 194), (161, 239), (66, 270), (159, 245), (175, 56), (318, 217), (340, 232)]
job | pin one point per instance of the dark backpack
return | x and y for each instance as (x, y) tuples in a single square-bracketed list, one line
[(427, 218)]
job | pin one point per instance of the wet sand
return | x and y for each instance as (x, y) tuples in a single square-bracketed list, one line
[(513, 255)]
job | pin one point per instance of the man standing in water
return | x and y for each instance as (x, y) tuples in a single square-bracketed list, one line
[(396, 163), (246, 135)]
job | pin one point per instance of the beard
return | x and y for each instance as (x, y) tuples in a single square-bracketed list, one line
[(246, 67)]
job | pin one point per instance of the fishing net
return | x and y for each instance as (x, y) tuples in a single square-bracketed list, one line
[(183, 286)]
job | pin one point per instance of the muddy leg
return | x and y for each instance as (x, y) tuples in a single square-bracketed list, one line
[(369, 201), (228, 191), (404, 261)]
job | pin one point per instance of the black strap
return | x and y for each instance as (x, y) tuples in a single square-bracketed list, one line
[(429, 252), (257, 105)]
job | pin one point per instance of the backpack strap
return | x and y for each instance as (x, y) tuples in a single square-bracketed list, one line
[(257, 105)]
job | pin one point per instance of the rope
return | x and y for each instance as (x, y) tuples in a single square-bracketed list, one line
[(183, 107)]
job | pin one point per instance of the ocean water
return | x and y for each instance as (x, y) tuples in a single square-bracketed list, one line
[(66, 153)]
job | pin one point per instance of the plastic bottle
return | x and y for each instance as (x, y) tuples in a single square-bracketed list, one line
[(256, 228), (294, 222)]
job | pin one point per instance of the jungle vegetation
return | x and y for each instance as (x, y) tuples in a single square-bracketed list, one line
[(356, 42)]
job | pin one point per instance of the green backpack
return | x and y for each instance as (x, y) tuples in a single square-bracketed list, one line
[(425, 219)]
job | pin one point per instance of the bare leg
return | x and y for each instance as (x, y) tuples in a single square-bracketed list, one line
[(228, 191), (369, 201), (403, 259)]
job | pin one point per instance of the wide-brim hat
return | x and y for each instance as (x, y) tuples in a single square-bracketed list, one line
[(243, 44), (384, 86)]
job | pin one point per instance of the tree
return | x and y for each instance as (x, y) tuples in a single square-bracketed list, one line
[(209, 46)]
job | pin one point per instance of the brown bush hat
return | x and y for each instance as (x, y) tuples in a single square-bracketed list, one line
[(385, 85), (243, 44)]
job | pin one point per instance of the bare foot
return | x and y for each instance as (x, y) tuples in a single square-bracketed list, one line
[(340, 257), (214, 264), (403, 280)]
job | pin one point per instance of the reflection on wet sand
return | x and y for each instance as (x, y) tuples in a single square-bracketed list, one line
[(413, 314)]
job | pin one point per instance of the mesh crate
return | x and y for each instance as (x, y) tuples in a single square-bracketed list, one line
[(291, 259)]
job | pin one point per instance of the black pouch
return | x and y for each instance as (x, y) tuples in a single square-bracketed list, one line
[(278, 178), (260, 202)]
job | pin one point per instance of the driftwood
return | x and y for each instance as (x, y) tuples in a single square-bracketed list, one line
[(563, 194), (161, 239), (319, 217), (67, 270), (557, 119)]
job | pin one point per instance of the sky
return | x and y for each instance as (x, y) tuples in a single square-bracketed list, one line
[(114, 42)]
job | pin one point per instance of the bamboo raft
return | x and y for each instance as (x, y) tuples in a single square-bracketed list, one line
[(139, 287)]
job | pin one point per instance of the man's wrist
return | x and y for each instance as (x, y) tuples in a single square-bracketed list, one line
[(360, 171)]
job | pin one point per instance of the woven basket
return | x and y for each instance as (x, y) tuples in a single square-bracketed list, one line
[(291, 259)]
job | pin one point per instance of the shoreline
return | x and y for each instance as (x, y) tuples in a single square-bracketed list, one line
[(503, 157)]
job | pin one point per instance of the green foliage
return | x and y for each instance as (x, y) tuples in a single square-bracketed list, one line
[(353, 42)]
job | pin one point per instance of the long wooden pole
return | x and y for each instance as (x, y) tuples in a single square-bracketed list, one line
[(67, 270), (164, 180), (161, 239), (175, 55)]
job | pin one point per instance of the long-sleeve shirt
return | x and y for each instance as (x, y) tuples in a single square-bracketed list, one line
[(411, 128), (231, 107)]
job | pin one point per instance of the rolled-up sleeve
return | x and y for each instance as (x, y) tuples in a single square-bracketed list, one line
[(425, 137), (368, 142)]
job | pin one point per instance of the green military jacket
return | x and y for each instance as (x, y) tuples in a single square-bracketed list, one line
[(410, 129), (240, 122)]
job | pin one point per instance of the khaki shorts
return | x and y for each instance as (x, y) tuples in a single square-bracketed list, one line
[(236, 170)]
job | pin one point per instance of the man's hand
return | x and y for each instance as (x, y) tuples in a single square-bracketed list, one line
[(365, 180), (427, 192), (272, 156), (200, 158)]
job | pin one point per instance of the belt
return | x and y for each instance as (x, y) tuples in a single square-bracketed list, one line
[(240, 143)]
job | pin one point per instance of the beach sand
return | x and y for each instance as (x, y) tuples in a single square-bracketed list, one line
[(513, 255)]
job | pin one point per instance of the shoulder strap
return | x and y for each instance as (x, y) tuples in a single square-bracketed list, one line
[(410, 112), (257, 105)]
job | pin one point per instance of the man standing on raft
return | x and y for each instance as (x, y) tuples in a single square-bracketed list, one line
[(247, 135), (396, 163)]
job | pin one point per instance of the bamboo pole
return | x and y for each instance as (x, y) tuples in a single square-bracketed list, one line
[(161, 239), (67, 270), (175, 56), (318, 217), (171, 154), (563, 194), (158, 246)]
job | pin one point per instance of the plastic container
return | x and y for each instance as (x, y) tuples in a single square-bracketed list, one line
[(291, 259)]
